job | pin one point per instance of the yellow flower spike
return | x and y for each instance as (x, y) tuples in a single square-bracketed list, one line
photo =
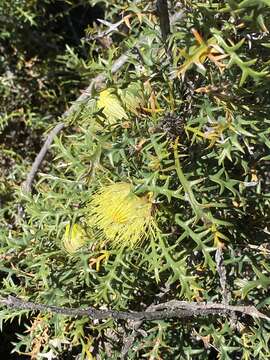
[(74, 238), (121, 218)]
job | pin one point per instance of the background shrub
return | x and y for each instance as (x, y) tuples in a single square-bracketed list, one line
[(184, 123)]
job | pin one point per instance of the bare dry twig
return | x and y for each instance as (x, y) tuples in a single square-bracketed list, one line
[(27, 185), (170, 309)]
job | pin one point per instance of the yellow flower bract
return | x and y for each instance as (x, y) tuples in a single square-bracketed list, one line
[(74, 238), (121, 217), (111, 106)]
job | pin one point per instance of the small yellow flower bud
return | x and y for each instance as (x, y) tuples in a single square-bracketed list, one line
[(74, 238)]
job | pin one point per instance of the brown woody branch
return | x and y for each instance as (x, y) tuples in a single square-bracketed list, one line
[(167, 310)]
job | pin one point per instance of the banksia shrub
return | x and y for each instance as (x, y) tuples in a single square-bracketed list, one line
[(163, 177)]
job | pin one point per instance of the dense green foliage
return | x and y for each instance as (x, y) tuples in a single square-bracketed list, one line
[(186, 123)]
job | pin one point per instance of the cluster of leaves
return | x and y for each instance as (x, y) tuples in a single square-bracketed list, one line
[(186, 123)]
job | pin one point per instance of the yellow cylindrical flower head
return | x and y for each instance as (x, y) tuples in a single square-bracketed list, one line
[(120, 217)]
